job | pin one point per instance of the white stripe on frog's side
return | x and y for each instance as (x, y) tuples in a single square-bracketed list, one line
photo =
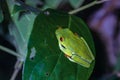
[(70, 59), (74, 54)]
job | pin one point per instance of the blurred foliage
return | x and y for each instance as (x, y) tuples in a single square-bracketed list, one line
[(33, 2), (11, 4), (21, 27), (117, 68), (76, 3), (49, 62), (54, 3), (1, 16)]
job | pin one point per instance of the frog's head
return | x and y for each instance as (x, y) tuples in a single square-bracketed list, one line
[(62, 37)]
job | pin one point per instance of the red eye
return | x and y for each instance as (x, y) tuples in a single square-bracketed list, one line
[(61, 39)]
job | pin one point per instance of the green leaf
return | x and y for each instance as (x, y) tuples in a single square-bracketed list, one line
[(32, 2), (48, 62), (76, 3), (52, 4), (22, 29), (11, 4), (17, 9)]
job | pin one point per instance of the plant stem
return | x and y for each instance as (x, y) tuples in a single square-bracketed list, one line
[(10, 51), (86, 6), (18, 66)]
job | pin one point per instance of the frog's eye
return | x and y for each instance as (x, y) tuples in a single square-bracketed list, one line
[(61, 39)]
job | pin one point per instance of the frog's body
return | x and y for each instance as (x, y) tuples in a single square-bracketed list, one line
[(74, 47)]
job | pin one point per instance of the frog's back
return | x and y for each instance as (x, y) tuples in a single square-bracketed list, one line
[(77, 44), (81, 48)]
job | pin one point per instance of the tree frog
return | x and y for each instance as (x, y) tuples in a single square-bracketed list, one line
[(74, 47)]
